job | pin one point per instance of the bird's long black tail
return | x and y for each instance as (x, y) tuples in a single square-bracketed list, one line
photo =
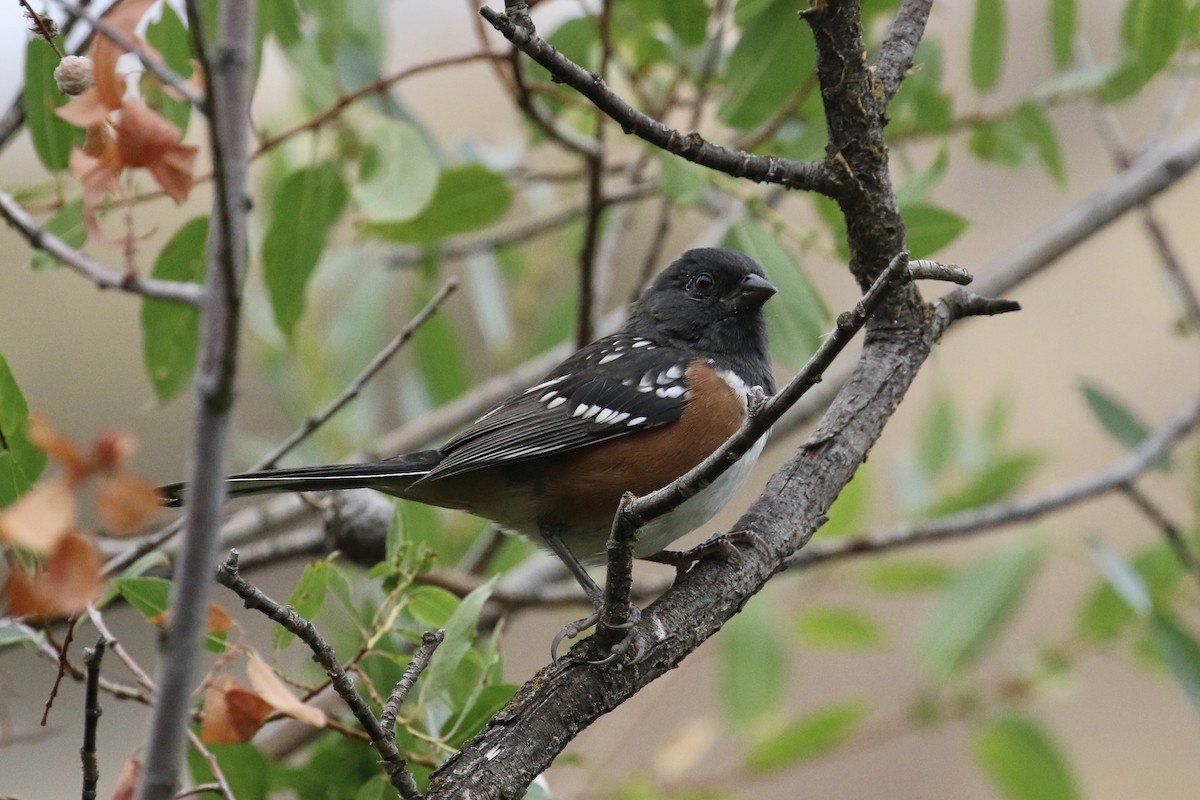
[(391, 476)]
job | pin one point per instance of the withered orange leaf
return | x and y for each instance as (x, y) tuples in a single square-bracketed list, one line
[(219, 620), (85, 109), (126, 502), (112, 449), (127, 780), (123, 16), (231, 714), (146, 139), (68, 581), (272, 689), (57, 446), (40, 518)]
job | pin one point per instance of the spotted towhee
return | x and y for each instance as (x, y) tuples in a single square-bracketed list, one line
[(630, 412)]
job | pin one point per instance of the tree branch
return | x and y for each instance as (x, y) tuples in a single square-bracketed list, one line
[(896, 55), (990, 517), (228, 107), (103, 276), (256, 599), (519, 30)]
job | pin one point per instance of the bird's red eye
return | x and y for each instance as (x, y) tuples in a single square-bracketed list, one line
[(702, 283)]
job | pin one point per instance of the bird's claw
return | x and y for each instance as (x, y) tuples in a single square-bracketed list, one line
[(570, 631), (722, 546)]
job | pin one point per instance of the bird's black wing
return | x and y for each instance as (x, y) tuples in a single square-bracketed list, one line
[(613, 387)]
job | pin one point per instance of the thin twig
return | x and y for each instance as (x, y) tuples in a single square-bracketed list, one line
[(565, 137), (979, 520), (144, 680), (1169, 529), (92, 656), (63, 666), (360, 381), (896, 54), (923, 269), (44, 30), (420, 660), (103, 276), (256, 599), (793, 174), (149, 61), (220, 784)]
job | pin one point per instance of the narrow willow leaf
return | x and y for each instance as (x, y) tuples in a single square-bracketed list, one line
[(1039, 133), (907, 575), (171, 331), (975, 609), (170, 38), (839, 628), (21, 462), (1124, 579), (1002, 476), (304, 207), (460, 635), (1118, 419), (1157, 31), (1181, 651), (937, 441), (52, 136), (753, 666), (811, 735), (467, 198), (1063, 22), (772, 57), (683, 183), (798, 317), (988, 36), (1023, 760), (929, 228), (1104, 615)]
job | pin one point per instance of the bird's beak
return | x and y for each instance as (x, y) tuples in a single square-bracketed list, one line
[(750, 296)]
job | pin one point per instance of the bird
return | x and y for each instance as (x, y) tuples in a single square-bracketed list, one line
[(630, 412)]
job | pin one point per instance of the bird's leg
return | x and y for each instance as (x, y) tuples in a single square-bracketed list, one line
[(722, 546), (594, 593)]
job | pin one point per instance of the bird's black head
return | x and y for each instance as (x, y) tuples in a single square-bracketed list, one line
[(710, 299)]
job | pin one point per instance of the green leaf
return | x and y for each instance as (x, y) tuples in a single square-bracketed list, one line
[(1124, 579), (797, 318), (243, 765), (377, 788), (1158, 28), (440, 354), (987, 44), (467, 198), (151, 596), (848, 514), (773, 57), (930, 228), (812, 735), (975, 609), (1118, 419), (1000, 478), (753, 667), (431, 606), (170, 37), (489, 701), (907, 575), (307, 598), (398, 173), (13, 634), (1063, 22), (171, 331), (52, 136), (682, 182), (938, 437), (1035, 127), (689, 21), (839, 628), (304, 207), (1023, 760), (21, 462), (1181, 651), (1104, 615), (66, 224), (460, 635)]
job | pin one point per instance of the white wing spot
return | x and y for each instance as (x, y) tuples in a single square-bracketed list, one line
[(675, 372), (546, 384), (640, 343), (548, 396), (624, 415), (580, 410), (672, 392), (611, 357), (605, 415), (591, 412), (556, 402), (633, 423)]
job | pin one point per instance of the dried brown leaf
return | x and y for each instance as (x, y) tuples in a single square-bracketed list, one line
[(41, 518), (126, 503), (272, 689)]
